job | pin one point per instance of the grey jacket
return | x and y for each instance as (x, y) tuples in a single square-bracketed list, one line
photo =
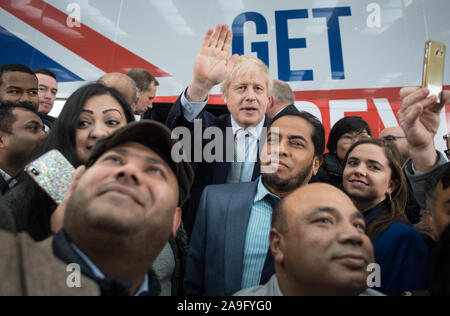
[(420, 181)]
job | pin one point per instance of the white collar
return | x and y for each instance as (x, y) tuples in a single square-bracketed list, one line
[(5, 175), (255, 131)]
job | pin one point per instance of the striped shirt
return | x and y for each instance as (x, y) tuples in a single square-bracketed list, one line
[(257, 238)]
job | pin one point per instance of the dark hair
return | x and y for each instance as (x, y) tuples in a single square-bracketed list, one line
[(62, 133), (318, 135), (142, 78), (391, 210), (346, 125), (440, 283), (14, 68), (442, 175), (7, 118), (45, 72)]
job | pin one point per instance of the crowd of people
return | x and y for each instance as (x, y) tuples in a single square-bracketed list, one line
[(270, 216)]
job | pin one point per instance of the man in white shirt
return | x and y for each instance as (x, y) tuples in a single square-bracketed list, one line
[(246, 86)]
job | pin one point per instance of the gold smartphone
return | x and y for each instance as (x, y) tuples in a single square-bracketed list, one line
[(433, 68)]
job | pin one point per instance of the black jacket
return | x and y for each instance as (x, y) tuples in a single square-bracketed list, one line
[(330, 171), (31, 207), (6, 219), (206, 173)]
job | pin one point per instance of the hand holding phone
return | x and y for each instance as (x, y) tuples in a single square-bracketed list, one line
[(53, 173), (57, 219)]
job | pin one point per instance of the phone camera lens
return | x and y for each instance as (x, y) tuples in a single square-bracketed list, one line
[(35, 172), (439, 53)]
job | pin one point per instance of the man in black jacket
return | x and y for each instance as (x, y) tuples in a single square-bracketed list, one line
[(246, 86), (282, 99)]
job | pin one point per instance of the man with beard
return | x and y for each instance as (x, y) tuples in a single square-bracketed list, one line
[(229, 248), (123, 208)]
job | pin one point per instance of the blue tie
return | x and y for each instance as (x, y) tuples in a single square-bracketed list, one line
[(240, 155)]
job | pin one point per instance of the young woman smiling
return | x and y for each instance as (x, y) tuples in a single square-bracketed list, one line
[(90, 113), (374, 180)]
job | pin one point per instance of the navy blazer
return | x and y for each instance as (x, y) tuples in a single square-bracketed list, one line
[(206, 173), (289, 108), (216, 253)]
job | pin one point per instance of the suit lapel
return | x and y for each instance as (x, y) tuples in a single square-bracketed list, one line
[(221, 169), (238, 217), (3, 184)]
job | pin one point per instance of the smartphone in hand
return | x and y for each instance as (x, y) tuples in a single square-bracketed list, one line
[(433, 68), (53, 173)]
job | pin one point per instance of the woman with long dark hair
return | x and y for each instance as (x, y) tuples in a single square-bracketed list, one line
[(90, 113), (343, 135), (374, 180)]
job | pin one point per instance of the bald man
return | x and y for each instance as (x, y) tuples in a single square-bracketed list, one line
[(122, 83), (319, 244)]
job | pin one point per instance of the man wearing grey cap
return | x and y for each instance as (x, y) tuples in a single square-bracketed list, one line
[(123, 209)]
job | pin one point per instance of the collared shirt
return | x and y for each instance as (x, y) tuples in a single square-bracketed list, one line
[(191, 110), (7, 178), (98, 274), (253, 149), (257, 237)]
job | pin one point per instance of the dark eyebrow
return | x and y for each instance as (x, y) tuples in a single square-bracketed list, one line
[(14, 87), (376, 162), (293, 137), (151, 160), (111, 110), (104, 112), (34, 122)]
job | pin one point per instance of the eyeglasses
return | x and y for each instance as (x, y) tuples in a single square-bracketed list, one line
[(349, 139), (392, 138)]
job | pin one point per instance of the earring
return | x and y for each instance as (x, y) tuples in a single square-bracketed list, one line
[(390, 197)]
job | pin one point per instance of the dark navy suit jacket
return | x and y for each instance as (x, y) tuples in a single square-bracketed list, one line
[(216, 252), (206, 173)]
